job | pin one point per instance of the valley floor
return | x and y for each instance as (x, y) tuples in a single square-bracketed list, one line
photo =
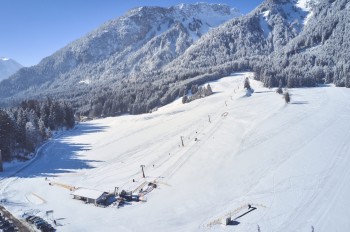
[(289, 162)]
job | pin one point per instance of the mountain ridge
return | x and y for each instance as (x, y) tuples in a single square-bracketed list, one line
[(8, 67), (280, 40), (119, 42)]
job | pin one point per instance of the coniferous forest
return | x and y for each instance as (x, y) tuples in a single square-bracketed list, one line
[(24, 127)]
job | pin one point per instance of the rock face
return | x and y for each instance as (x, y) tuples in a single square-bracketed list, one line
[(8, 67)]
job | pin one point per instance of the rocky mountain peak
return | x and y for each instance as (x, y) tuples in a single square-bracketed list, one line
[(8, 67)]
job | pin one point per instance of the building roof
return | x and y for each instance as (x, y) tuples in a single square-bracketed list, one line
[(88, 193)]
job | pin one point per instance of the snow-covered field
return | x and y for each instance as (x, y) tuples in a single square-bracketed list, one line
[(290, 162)]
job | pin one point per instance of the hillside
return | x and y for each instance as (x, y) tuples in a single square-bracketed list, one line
[(8, 67), (151, 56), (267, 28), (144, 39), (290, 162), (319, 54)]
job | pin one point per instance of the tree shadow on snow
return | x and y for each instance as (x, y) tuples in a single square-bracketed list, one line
[(299, 102), (265, 91), (60, 155)]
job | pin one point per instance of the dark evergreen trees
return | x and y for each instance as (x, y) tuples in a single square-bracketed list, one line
[(24, 127), (7, 135), (200, 92)]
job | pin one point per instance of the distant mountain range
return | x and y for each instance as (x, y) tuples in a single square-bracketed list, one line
[(8, 67), (152, 55), (145, 38)]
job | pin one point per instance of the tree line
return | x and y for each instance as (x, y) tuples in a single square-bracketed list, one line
[(26, 126), (315, 55)]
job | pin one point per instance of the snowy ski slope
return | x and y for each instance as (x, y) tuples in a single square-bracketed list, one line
[(290, 162)]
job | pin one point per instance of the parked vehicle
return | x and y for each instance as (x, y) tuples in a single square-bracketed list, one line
[(40, 222), (37, 219), (32, 220), (29, 218)]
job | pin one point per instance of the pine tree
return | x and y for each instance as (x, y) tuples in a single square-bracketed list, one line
[(49, 133), (279, 89), (42, 129), (20, 127), (287, 97), (44, 113), (69, 119), (184, 99), (59, 108), (33, 118), (96, 110), (52, 118), (194, 89), (347, 80), (290, 82), (247, 83), (32, 136), (7, 135), (209, 91)]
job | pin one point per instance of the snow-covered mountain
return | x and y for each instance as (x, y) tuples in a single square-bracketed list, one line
[(300, 42), (268, 28), (144, 39), (153, 55), (8, 67), (320, 53)]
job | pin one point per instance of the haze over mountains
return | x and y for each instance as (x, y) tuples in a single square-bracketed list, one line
[(152, 55), (8, 67)]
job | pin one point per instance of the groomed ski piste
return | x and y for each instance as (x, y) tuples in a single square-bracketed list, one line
[(289, 162)]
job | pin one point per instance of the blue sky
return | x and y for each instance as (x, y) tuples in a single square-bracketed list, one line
[(33, 29)]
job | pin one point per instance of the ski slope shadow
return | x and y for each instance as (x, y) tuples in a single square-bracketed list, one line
[(59, 155), (234, 222)]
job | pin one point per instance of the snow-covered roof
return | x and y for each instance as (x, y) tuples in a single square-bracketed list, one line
[(88, 193)]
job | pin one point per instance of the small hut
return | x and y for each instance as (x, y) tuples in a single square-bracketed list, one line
[(90, 195)]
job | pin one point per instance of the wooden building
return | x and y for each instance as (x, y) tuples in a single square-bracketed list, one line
[(90, 195)]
